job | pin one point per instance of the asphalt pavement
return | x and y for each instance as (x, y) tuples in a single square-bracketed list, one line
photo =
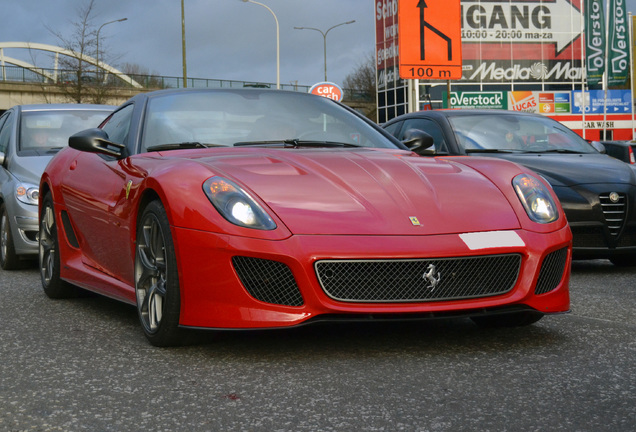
[(84, 365)]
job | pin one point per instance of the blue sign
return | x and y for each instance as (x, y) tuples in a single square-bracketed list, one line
[(618, 102)]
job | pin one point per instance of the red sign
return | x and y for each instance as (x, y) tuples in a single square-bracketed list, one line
[(328, 90), (430, 40)]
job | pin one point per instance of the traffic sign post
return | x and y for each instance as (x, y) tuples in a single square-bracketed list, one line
[(429, 39)]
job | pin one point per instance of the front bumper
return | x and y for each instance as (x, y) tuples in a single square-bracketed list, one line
[(213, 296), (23, 220)]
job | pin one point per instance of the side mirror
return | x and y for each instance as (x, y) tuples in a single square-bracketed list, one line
[(96, 141), (419, 141), (599, 147)]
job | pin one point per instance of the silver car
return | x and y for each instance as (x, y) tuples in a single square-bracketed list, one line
[(29, 137)]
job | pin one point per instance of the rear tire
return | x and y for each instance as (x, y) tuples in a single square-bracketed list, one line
[(49, 254), (518, 319), (156, 278), (8, 258)]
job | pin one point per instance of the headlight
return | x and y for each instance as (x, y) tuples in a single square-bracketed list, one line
[(27, 193), (536, 198), (236, 205)]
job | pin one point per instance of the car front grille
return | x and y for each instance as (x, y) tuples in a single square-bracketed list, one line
[(417, 280), (268, 281), (614, 212), (588, 236), (552, 270)]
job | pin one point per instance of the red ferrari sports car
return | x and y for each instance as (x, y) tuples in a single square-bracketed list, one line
[(257, 208)]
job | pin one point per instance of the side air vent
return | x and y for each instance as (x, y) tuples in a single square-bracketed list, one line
[(68, 230)]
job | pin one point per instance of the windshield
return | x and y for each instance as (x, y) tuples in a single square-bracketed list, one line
[(46, 130), (516, 133), (254, 117)]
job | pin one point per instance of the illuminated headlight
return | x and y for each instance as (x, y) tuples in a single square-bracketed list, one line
[(236, 205), (536, 198), (27, 193)]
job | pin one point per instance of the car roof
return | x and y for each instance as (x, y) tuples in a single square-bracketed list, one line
[(248, 90), (467, 112), (65, 107)]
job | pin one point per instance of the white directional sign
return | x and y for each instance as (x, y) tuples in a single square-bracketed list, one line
[(557, 22)]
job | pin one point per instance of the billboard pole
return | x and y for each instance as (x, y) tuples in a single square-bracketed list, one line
[(583, 65), (607, 16), (631, 66)]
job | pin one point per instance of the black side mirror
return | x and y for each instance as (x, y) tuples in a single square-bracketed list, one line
[(96, 141), (419, 141)]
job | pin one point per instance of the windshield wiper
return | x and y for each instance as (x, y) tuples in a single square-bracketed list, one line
[(555, 151), (182, 145), (491, 150), (295, 143)]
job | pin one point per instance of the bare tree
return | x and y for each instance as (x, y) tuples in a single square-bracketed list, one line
[(360, 87), (82, 81), (362, 80), (142, 75)]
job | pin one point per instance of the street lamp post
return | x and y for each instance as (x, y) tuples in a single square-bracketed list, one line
[(277, 40), (324, 36), (183, 46), (97, 44)]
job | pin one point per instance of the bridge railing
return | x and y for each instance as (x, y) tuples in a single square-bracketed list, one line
[(17, 74), (53, 76)]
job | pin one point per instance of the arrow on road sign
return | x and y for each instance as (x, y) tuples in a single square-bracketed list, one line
[(423, 26)]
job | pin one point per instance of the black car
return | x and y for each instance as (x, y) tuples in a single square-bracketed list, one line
[(597, 192), (623, 150)]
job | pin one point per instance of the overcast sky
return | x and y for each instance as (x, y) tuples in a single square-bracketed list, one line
[(225, 39)]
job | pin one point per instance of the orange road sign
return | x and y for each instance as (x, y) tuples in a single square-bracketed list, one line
[(430, 39)]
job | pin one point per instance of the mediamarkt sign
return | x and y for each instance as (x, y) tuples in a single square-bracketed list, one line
[(522, 71)]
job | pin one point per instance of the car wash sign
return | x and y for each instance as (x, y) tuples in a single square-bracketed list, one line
[(328, 90)]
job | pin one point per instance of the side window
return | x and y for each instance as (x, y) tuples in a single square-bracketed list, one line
[(5, 132), (431, 128), (394, 129), (118, 125)]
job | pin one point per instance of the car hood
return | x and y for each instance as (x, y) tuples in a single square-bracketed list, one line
[(29, 169), (575, 169), (370, 192)]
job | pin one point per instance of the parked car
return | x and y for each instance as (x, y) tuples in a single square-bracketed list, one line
[(253, 208), (29, 137), (623, 150), (597, 192)]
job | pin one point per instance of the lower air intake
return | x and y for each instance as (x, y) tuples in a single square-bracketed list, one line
[(268, 281)]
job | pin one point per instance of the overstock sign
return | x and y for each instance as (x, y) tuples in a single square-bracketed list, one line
[(490, 100)]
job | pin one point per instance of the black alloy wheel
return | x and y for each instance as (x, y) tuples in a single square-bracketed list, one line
[(156, 278), (49, 254), (8, 258)]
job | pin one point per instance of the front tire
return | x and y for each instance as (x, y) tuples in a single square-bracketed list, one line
[(49, 254), (156, 278), (8, 258)]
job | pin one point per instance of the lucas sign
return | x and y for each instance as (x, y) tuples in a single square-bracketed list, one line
[(328, 90)]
